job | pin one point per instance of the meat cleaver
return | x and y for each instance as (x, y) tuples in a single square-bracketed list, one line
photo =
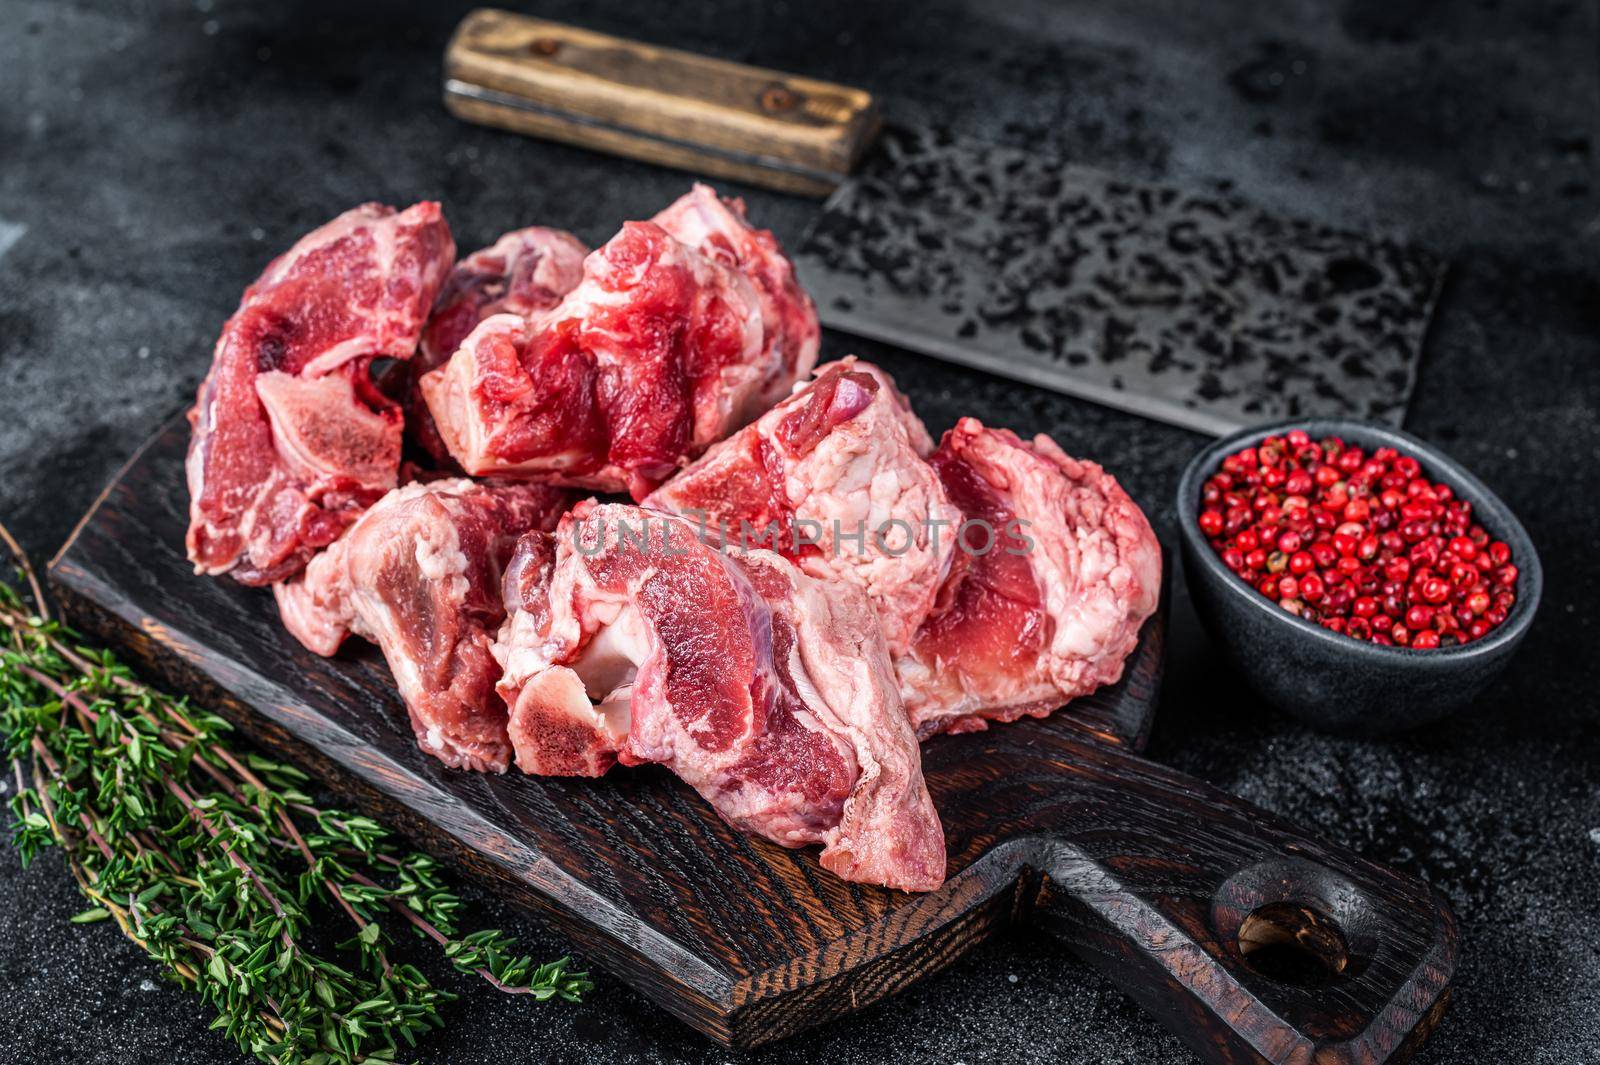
[(1191, 307)]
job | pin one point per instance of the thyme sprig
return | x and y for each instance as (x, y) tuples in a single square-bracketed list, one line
[(218, 863)]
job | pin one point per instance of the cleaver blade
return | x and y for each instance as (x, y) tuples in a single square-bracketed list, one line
[(1193, 308)]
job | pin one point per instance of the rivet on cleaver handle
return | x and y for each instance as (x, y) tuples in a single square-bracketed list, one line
[(656, 104)]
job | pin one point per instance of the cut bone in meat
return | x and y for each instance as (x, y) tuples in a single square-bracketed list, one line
[(834, 478), (525, 272), (419, 574), (662, 349), (1057, 571), (291, 439), (770, 693)]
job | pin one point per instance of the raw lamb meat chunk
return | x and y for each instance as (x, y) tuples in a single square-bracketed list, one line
[(525, 272), (770, 693), (291, 439), (419, 574), (661, 350), (1056, 572), (835, 479)]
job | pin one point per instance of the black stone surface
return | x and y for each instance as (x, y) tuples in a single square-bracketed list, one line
[(153, 156)]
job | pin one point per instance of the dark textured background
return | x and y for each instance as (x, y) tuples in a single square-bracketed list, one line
[(152, 157)]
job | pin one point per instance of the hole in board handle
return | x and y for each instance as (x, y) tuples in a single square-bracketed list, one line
[(1297, 924), (1293, 943)]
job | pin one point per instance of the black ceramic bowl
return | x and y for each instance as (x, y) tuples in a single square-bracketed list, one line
[(1326, 679)]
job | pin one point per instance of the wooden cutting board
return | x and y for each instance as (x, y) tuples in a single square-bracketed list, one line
[(1248, 938)]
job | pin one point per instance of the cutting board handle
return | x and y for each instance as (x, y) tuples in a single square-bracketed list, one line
[(1247, 938), (657, 104)]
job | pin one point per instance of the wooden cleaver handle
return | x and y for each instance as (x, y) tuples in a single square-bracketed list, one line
[(656, 104), (1249, 939)]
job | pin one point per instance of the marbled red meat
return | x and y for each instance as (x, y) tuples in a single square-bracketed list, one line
[(291, 439), (525, 272), (420, 574), (717, 228), (834, 478), (1057, 571), (629, 639), (662, 349)]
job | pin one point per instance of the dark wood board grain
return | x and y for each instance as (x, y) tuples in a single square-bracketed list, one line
[(1158, 879)]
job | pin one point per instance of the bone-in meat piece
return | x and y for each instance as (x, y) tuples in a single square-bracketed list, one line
[(1056, 572), (770, 693), (664, 348), (291, 439)]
